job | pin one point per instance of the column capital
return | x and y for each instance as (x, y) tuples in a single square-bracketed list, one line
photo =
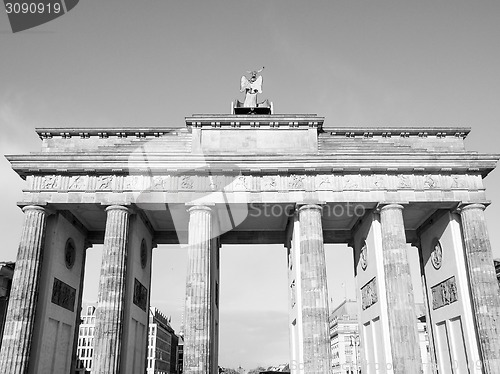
[(207, 207), (467, 206), (309, 205), (386, 206), (35, 207), (118, 207)]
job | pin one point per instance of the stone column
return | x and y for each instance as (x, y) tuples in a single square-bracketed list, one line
[(197, 312), (15, 353), (111, 295), (401, 304), (484, 285), (316, 332)]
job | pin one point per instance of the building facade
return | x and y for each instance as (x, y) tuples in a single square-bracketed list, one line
[(85, 345), (162, 350), (247, 178), (497, 268), (344, 338), (6, 274)]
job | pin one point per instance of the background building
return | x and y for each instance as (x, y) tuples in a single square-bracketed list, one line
[(497, 268), (180, 354), (6, 274), (344, 338), (162, 345), (423, 339), (85, 347), (163, 353)]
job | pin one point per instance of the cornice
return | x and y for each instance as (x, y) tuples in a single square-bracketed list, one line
[(106, 132), (119, 163), (275, 121), (396, 131)]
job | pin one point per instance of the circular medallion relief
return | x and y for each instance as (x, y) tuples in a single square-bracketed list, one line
[(363, 257), (144, 254), (437, 255), (69, 254)]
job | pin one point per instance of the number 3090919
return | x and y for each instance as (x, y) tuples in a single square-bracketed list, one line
[(25, 8)]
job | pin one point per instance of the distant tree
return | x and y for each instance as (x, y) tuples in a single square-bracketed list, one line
[(229, 371), (257, 370)]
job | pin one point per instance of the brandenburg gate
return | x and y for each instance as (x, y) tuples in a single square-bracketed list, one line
[(379, 190)]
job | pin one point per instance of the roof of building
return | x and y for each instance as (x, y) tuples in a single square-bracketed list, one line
[(157, 316), (7, 269), (346, 310)]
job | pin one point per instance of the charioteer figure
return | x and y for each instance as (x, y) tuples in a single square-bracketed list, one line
[(252, 86)]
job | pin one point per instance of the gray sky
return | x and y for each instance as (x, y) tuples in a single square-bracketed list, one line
[(150, 63)]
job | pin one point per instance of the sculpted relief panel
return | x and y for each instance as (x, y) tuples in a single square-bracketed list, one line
[(369, 294), (256, 183), (77, 182), (444, 293)]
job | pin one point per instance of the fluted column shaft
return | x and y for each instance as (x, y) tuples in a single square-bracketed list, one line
[(197, 315), (314, 291), (16, 345), (401, 304), (111, 295), (484, 285)]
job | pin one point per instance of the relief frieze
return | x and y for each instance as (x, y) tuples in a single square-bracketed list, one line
[(159, 183), (269, 183), (296, 182), (50, 182), (404, 181), (242, 183), (459, 182), (430, 182), (104, 182), (351, 182), (378, 182), (77, 182), (186, 182), (324, 182), (216, 183), (132, 182)]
